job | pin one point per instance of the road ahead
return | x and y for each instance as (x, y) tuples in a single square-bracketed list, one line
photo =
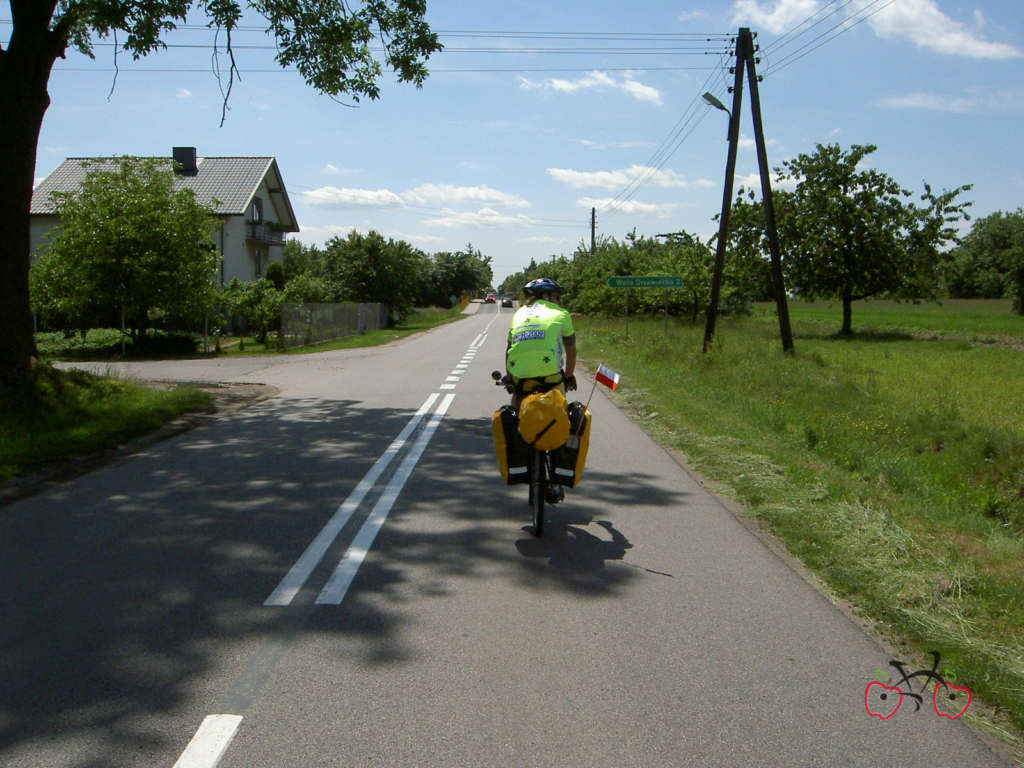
[(336, 577)]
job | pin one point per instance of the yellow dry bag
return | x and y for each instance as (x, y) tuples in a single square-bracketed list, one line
[(544, 420)]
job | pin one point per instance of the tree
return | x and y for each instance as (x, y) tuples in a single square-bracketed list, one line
[(989, 263), (258, 302), (298, 259), (326, 40), (850, 234), (371, 269), (454, 274), (127, 245)]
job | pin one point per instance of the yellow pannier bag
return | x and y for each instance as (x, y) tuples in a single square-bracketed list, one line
[(512, 453), (572, 457), (544, 420)]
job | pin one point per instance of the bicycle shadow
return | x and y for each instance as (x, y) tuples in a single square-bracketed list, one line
[(576, 557)]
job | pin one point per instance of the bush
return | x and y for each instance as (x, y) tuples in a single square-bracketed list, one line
[(159, 343), (105, 343)]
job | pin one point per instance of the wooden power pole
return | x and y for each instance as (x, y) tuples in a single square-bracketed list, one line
[(593, 227), (745, 61)]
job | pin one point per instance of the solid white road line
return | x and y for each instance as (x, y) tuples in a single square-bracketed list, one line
[(210, 742), (334, 591), (296, 577)]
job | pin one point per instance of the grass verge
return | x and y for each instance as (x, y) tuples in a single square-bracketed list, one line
[(75, 413), (892, 466)]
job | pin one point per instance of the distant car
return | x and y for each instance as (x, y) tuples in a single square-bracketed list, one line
[(506, 301), (489, 299)]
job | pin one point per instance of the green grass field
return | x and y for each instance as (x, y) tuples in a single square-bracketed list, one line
[(973, 319), (891, 463), (77, 413)]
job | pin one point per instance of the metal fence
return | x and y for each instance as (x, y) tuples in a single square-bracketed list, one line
[(303, 324)]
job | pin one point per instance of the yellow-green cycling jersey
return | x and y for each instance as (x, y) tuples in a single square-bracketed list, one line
[(535, 340)]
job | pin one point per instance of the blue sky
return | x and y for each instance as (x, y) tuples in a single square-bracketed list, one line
[(538, 111)]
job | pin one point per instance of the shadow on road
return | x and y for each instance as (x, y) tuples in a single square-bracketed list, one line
[(118, 588)]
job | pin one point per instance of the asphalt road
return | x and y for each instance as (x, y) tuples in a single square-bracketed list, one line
[(337, 577)]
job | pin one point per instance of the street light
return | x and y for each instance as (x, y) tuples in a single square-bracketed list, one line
[(712, 101)]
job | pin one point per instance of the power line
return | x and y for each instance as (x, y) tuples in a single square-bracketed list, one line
[(782, 42), (106, 70), (846, 25), (677, 136)]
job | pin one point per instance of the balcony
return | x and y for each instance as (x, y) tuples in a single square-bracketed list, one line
[(263, 233)]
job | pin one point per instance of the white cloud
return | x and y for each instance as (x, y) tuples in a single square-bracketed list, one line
[(421, 240), (747, 142), (786, 14), (641, 92), (333, 197), (260, 105), (630, 207), (183, 94), (546, 240), (424, 195), (621, 178), (920, 21), (434, 194), (833, 133), (694, 15), (333, 170), (37, 181), (929, 101), (753, 181), (595, 80), (977, 100), (329, 230), (589, 144), (927, 27), (483, 218)]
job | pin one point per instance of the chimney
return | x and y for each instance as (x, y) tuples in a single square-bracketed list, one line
[(186, 158)]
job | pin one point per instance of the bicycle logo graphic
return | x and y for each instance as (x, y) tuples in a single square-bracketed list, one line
[(883, 701)]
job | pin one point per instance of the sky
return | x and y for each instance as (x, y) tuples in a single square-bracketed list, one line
[(537, 112)]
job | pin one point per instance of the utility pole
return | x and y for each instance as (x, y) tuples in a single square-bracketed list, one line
[(593, 227), (769, 208), (730, 175), (745, 60)]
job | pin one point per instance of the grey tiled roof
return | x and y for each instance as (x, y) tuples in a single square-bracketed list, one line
[(232, 181)]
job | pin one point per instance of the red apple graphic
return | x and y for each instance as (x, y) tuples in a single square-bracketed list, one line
[(884, 702), (955, 694)]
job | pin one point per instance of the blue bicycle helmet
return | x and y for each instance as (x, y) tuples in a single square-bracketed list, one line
[(540, 286)]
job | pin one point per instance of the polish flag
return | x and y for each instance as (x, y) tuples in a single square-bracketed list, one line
[(607, 376)]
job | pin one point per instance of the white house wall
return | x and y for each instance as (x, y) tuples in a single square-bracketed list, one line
[(39, 226)]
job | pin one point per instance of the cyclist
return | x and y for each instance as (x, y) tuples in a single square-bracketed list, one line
[(541, 350)]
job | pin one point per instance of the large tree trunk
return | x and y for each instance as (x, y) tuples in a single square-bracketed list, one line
[(24, 72), (847, 328)]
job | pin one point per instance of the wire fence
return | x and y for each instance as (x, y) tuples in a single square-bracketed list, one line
[(304, 324)]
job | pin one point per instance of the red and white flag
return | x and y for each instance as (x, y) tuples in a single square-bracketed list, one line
[(607, 376)]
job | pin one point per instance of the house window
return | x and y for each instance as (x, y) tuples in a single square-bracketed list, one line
[(259, 258), (257, 210)]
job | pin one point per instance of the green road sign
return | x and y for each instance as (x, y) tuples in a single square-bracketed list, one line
[(642, 281)]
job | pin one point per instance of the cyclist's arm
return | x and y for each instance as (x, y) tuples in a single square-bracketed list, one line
[(570, 354)]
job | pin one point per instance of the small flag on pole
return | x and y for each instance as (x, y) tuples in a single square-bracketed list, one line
[(607, 376)]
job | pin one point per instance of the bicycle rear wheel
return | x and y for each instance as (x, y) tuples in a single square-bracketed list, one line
[(538, 489)]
